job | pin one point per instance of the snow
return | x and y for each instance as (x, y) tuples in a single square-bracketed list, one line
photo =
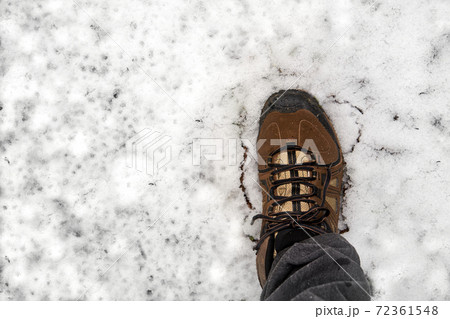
[(79, 79)]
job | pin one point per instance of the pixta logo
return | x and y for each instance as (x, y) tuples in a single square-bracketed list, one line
[(149, 151), (226, 150)]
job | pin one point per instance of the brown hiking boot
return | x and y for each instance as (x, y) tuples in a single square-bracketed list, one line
[(300, 171)]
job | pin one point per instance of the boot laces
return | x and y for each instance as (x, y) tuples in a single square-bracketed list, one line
[(305, 212)]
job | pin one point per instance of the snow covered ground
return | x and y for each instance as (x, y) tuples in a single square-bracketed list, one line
[(80, 78)]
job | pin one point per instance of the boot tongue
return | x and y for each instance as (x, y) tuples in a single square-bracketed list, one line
[(288, 157), (288, 237), (291, 156)]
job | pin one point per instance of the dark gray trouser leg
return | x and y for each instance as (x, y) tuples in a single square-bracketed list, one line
[(305, 272)]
